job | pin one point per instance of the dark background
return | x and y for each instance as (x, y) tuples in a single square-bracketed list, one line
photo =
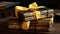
[(48, 3)]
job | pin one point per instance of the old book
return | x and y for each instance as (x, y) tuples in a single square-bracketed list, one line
[(13, 25)]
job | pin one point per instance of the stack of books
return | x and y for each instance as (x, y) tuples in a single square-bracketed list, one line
[(6, 8)]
